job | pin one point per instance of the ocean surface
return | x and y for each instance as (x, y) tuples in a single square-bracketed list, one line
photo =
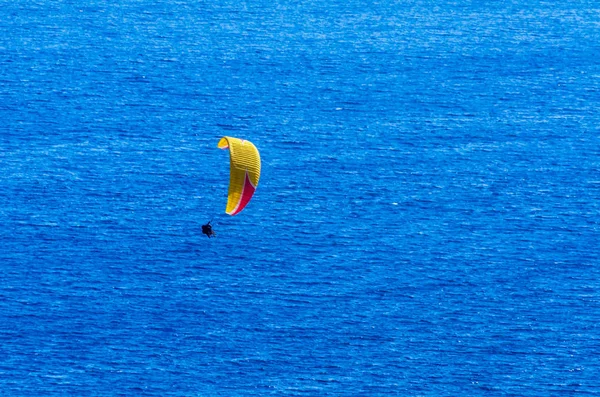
[(426, 224)]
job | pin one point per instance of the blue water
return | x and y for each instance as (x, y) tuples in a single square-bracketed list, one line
[(427, 221)]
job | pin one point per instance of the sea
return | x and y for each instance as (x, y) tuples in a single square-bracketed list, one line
[(426, 223)]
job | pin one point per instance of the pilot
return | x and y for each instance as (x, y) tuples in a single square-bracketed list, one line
[(207, 229)]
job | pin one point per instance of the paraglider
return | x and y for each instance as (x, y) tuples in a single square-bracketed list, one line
[(244, 172), (207, 229)]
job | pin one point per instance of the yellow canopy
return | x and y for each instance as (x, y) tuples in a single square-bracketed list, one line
[(244, 172)]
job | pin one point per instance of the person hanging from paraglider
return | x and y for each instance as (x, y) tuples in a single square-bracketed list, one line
[(207, 229)]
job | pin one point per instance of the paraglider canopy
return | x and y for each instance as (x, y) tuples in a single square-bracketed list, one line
[(244, 172)]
